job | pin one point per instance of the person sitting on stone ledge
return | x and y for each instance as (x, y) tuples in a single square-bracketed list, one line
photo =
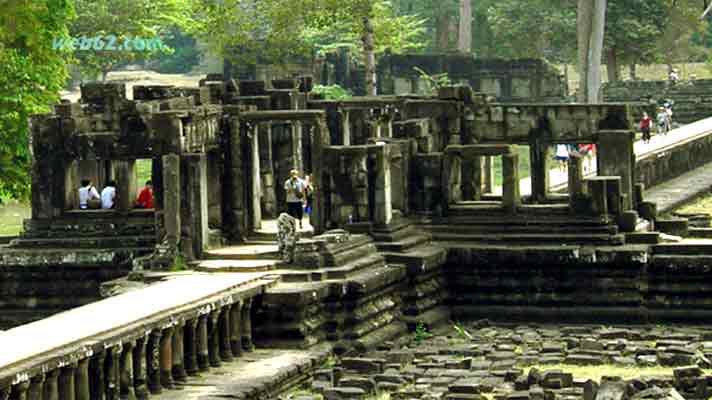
[(108, 195), (88, 196), (145, 198)]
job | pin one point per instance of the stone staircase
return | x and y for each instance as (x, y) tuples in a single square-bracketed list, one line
[(533, 224)]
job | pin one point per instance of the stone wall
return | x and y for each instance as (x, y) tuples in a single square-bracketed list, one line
[(525, 80), (692, 98)]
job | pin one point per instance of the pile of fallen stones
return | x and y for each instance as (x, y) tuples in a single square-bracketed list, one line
[(489, 362)]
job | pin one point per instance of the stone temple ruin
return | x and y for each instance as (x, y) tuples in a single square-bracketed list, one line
[(419, 217)]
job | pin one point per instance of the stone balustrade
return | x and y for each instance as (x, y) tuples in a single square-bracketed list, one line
[(132, 345)]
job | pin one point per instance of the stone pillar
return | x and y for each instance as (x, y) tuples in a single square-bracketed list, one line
[(472, 178), (575, 179), (539, 153), (140, 368), (125, 184), (345, 128), (599, 196), (616, 157), (320, 139), (487, 175), (451, 179), (256, 193), (97, 382), (51, 386), (224, 327), (196, 213), (297, 156), (126, 373), (166, 358), (36, 389), (269, 196), (153, 361), (237, 186), (81, 380), (19, 391), (178, 347), (67, 389), (235, 329), (246, 327), (190, 340), (510, 182), (203, 352), (384, 206), (214, 338), (113, 373), (172, 198)]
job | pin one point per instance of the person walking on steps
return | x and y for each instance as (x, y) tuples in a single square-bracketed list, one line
[(294, 187), (645, 125)]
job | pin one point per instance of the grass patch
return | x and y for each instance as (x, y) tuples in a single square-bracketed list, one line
[(703, 205), (144, 171), (11, 216), (596, 372)]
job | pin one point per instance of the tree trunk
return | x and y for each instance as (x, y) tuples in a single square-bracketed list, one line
[(464, 38), (632, 69), (443, 33), (612, 66), (369, 56), (584, 20), (591, 27)]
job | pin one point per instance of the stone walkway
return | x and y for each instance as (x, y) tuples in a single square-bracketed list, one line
[(675, 192)]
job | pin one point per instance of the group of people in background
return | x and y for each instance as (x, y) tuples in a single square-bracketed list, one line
[(663, 121), (300, 195), (566, 151), (90, 198)]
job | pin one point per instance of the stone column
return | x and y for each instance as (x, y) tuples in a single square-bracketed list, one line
[(166, 358), (599, 195), (575, 179), (19, 391), (616, 157), (246, 327), (125, 184), (97, 382), (51, 386), (539, 153), (235, 332), (178, 347), (203, 352), (81, 380), (345, 128), (269, 196), (113, 373), (256, 193), (197, 210), (172, 198), (237, 185), (67, 389), (153, 361), (126, 374), (319, 141), (384, 206), (36, 389), (510, 182), (297, 156), (190, 347), (224, 327), (214, 338), (472, 178), (450, 180), (140, 368)]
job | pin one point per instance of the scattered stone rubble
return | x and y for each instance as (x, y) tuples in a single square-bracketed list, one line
[(525, 362)]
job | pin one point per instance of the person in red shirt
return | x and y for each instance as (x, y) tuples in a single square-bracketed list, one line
[(645, 125), (145, 198)]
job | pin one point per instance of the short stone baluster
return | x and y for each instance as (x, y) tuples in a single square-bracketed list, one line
[(179, 374), (214, 338), (224, 326), (203, 353), (19, 391), (36, 389), (246, 328), (113, 358), (140, 368), (81, 380), (97, 382), (51, 385), (126, 375), (153, 361), (190, 346), (67, 387), (167, 358), (235, 335)]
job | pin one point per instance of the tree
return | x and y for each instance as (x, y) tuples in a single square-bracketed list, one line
[(464, 38), (591, 28), (31, 75)]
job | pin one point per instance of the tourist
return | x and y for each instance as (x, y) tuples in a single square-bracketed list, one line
[(309, 191), (88, 196), (294, 187), (562, 156), (645, 125), (662, 119), (668, 110), (674, 76), (586, 151), (145, 198), (108, 195)]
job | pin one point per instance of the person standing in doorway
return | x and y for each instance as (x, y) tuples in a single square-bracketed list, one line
[(108, 196), (145, 198), (645, 125), (562, 156), (294, 187)]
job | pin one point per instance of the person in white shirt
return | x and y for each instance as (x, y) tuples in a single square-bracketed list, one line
[(294, 187), (86, 193), (108, 195)]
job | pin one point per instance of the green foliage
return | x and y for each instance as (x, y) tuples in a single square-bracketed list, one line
[(331, 92), (179, 263), (421, 333), (182, 56), (462, 331), (433, 82), (31, 76)]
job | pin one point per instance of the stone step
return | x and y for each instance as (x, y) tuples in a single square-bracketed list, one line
[(419, 259), (688, 247), (235, 265), (536, 228), (473, 208), (513, 220), (86, 242), (518, 238), (642, 238), (244, 252), (404, 244), (333, 273)]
